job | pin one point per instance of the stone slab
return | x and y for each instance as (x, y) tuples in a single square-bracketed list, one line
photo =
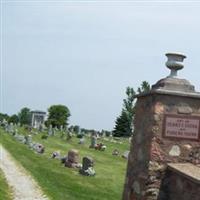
[(188, 170)]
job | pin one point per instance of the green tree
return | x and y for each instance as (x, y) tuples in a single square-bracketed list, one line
[(58, 115), (14, 119), (24, 116), (123, 125), (144, 87), (3, 116)]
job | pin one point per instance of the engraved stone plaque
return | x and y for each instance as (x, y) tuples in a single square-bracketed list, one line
[(182, 127)]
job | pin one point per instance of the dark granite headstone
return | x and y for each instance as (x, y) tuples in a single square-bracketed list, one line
[(87, 167)]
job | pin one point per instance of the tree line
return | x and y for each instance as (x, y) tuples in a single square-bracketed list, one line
[(58, 115)]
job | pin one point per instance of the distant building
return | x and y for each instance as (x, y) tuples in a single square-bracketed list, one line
[(37, 118)]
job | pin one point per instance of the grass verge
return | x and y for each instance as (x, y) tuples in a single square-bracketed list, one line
[(61, 183), (5, 191)]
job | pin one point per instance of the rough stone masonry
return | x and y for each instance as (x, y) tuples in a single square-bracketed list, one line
[(167, 130)]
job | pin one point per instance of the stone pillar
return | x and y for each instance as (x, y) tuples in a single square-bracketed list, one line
[(166, 130)]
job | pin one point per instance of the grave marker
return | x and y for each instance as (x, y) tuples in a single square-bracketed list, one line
[(72, 159), (87, 167)]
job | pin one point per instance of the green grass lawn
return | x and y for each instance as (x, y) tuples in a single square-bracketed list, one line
[(61, 183), (5, 192)]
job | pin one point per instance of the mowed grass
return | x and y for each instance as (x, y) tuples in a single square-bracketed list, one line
[(61, 183), (5, 192)]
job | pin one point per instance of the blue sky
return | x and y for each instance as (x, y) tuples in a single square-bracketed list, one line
[(84, 54)]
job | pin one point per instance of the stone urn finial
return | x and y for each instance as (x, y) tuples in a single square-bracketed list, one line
[(174, 63)]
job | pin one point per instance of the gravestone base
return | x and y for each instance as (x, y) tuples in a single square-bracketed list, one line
[(72, 165), (89, 172)]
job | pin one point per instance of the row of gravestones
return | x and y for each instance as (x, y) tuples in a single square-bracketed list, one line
[(39, 148), (27, 140), (80, 134), (102, 147), (51, 131), (11, 128), (71, 160)]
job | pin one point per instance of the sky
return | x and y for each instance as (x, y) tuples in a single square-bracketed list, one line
[(83, 54)]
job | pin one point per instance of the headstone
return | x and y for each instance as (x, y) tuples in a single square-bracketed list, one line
[(15, 131), (69, 135), (93, 140), (103, 134), (82, 140), (40, 128), (111, 134), (6, 126), (72, 159), (115, 152), (39, 148), (50, 130), (20, 138), (28, 139), (78, 130), (11, 128), (54, 130), (87, 167), (56, 154)]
